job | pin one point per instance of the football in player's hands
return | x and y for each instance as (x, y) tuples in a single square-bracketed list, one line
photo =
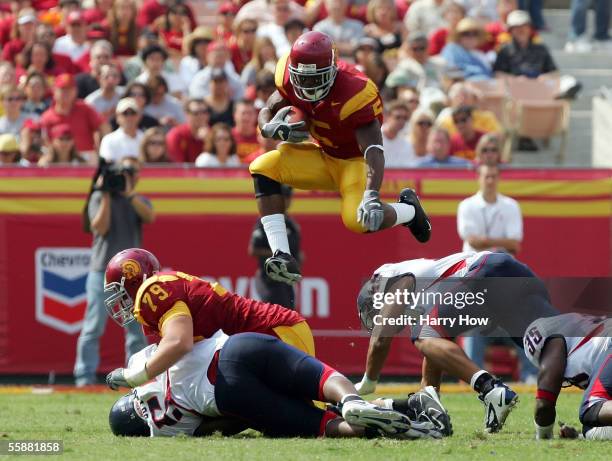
[(296, 115)]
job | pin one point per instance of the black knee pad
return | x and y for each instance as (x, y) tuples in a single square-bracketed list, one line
[(590, 417), (265, 186)]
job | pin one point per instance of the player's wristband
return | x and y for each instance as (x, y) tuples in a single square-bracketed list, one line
[(547, 395), (136, 376), (544, 432), (373, 146)]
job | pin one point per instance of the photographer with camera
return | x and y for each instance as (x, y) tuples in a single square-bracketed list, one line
[(114, 214)]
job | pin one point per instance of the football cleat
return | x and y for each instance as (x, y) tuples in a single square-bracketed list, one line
[(499, 402), (386, 422), (425, 405), (282, 267), (420, 225)]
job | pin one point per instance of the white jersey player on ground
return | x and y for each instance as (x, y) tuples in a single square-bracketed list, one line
[(573, 349), (514, 298), (253, 380)]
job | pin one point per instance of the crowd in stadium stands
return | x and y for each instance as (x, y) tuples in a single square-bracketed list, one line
[(163, 81)]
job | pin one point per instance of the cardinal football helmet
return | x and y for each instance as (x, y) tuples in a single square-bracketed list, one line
[(125, 272), (312, 66)]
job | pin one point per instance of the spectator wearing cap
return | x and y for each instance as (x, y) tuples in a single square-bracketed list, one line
[(496, 31), (13, 119), (398, 151), (123, 30), (74, 44), (105, 99), (242, 43), (344, 31), (174, 26), (100, 55), (31, 142), (163, 106), (264, 57), (365, 49), (438, 152), (186, 141), (220, 148), (154, 58), (142, 96), (23, 34), (384, 25), (522, 56), (195, 53), (9, 150), (275, 29), (226, 14), (218, 62), (245, 131), (453, 13), (125, 140), (461, 94), (463, 51), (465, 140), (150, 10), (425, 16), (62, 148), (219, 100), (86, 125), (36, 100)]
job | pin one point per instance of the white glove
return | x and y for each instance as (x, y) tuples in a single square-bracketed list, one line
[(278, 128), (370, 212), (544, 432), (366, 386)]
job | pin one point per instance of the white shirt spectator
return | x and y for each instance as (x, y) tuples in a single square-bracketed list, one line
[(67, 46), (174, 81), (7, 126), (118, 144), (425, 16), (101, 104), (260, 11), (208, 160), (275, 33), (476, 217), (169, 107), (200, 83), (399, 152), (350, 31)]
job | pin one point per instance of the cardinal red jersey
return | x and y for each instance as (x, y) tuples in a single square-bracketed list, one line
[(352, 102), (170, 294)]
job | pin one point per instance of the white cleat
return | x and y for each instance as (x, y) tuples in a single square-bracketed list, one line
[(364, 414), (499, 402)]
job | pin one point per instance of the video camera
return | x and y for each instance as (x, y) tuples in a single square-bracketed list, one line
[(113, 176)]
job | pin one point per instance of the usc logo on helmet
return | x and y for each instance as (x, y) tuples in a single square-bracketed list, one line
[(130, 269)]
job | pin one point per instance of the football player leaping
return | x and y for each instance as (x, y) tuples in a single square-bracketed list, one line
[(511, 297), (254, 380), (344, 111), (573, 349), (183, 309)]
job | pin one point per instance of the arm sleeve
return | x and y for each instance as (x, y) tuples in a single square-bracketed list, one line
[(466, 224), (105, 149), (515, 223)]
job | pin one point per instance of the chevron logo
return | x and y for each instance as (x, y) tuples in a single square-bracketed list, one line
[(61, 275)]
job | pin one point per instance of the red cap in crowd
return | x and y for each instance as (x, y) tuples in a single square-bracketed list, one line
[(60, 131), (228, 7), (64, 81)]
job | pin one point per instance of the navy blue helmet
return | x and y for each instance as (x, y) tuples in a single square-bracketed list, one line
[(125, 421)]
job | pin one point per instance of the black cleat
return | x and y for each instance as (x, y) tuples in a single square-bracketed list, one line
[(282, 267), (420, 225), (425, 405)]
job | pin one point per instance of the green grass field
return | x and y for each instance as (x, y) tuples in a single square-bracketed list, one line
[(80, 420)]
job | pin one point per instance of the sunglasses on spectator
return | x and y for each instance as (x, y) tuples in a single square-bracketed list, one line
[(426, 123), (418, 49), (249, 31), (159, 142), (129, 113), (228, 13), (14, 98), (199, 112), (460, 120), (470, 33), (487, 150), (137, 94)]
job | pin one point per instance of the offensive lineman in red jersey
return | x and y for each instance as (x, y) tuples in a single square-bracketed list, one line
[(183, 309), (344, 112)]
